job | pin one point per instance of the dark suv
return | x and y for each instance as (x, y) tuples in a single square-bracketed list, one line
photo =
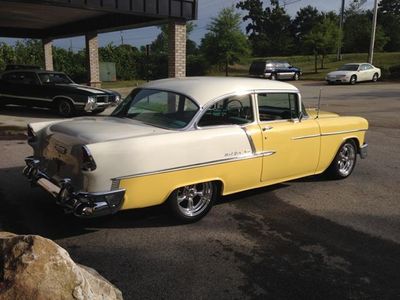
[(53, 90), (274, 70)]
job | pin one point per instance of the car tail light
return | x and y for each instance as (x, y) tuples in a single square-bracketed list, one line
[(31, 134), (88, 163)]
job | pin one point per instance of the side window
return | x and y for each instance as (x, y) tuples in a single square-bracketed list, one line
[(229, 111), (28, 78), (278, 106), (21, 78), (11, 78)]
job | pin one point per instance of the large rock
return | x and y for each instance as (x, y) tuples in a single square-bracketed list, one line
[(32, 267)]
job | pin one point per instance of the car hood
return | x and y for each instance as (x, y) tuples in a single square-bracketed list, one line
[(85, 89), (89, 130), (340, 73)]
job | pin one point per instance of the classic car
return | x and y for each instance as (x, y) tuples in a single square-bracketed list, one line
[(274, 70), (353, 73), (53, 90), (184, 142)]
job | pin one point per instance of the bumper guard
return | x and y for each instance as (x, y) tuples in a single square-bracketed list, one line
[(81, 204)]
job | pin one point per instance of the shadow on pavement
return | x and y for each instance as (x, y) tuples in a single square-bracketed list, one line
[(29, 112), (280, 251)]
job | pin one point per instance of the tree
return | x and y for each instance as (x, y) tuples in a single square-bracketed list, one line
[(357, 31), (322, 40), (160, 44), (389, 19), (306, 19), (224, 43), (268, 29)]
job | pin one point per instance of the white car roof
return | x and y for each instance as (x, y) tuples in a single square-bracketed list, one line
[(205, 89)]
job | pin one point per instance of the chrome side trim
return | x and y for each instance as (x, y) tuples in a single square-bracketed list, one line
[(199, 165), (25, 97), (326, 134), (306, 136), (341, 132), (267, 153), (251, 142)]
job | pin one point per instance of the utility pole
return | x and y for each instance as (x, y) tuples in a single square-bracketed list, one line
[(122, 37), (339, 50), (373, 31)]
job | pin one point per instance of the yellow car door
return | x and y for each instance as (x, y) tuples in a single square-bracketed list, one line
[(291, 141)]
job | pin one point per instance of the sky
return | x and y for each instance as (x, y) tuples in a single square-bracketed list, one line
[(207, 9)]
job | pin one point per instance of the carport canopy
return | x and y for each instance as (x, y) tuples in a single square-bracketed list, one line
[(52, 19)]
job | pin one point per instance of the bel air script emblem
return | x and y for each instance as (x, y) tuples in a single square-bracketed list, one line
[(60, 149)]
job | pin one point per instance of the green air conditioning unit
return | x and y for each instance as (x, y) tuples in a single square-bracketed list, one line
[(107, 71)]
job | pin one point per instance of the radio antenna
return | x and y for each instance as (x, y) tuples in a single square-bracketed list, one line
[(319, 102)]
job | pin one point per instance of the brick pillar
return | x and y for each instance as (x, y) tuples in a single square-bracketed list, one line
[(177, 49), (92, 59), (48, 54)]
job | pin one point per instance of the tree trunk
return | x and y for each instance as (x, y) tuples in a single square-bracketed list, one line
[(322, 61), (226, 67), (315, 61)]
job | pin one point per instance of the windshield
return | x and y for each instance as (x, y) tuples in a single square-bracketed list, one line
[(51, 78), (158, 108), (348, 68)]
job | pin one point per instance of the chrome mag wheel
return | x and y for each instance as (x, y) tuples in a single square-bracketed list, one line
[(193, 199), (344, 161), (192, 202)]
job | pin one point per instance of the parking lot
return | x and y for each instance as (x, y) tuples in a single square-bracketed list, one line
[(311, 238)]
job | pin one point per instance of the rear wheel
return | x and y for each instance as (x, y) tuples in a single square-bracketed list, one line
[(192, 202), (375, 77), (344, 162), (65, 108), (273, 76)]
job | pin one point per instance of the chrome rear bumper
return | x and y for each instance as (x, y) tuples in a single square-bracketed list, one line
[(81, 204)]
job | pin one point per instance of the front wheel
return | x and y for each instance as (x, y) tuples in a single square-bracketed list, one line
[(375, 77), (344, 162), (273, 76), (192, 202), (65, 108), (296, 76), (353, 79)]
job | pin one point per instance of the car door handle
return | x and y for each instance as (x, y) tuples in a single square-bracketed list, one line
[(267, 128)]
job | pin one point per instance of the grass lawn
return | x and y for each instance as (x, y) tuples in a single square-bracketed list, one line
[(122, 84), (305, 62)]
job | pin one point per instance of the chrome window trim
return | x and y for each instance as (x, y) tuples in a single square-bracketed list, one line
[(295, 120)]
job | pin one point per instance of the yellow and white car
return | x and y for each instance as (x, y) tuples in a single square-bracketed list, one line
[(184, 142)]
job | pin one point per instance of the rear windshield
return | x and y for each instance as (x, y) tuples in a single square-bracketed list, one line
[(158, 108)]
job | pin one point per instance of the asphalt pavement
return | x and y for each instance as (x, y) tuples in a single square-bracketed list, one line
[(312, 238)]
